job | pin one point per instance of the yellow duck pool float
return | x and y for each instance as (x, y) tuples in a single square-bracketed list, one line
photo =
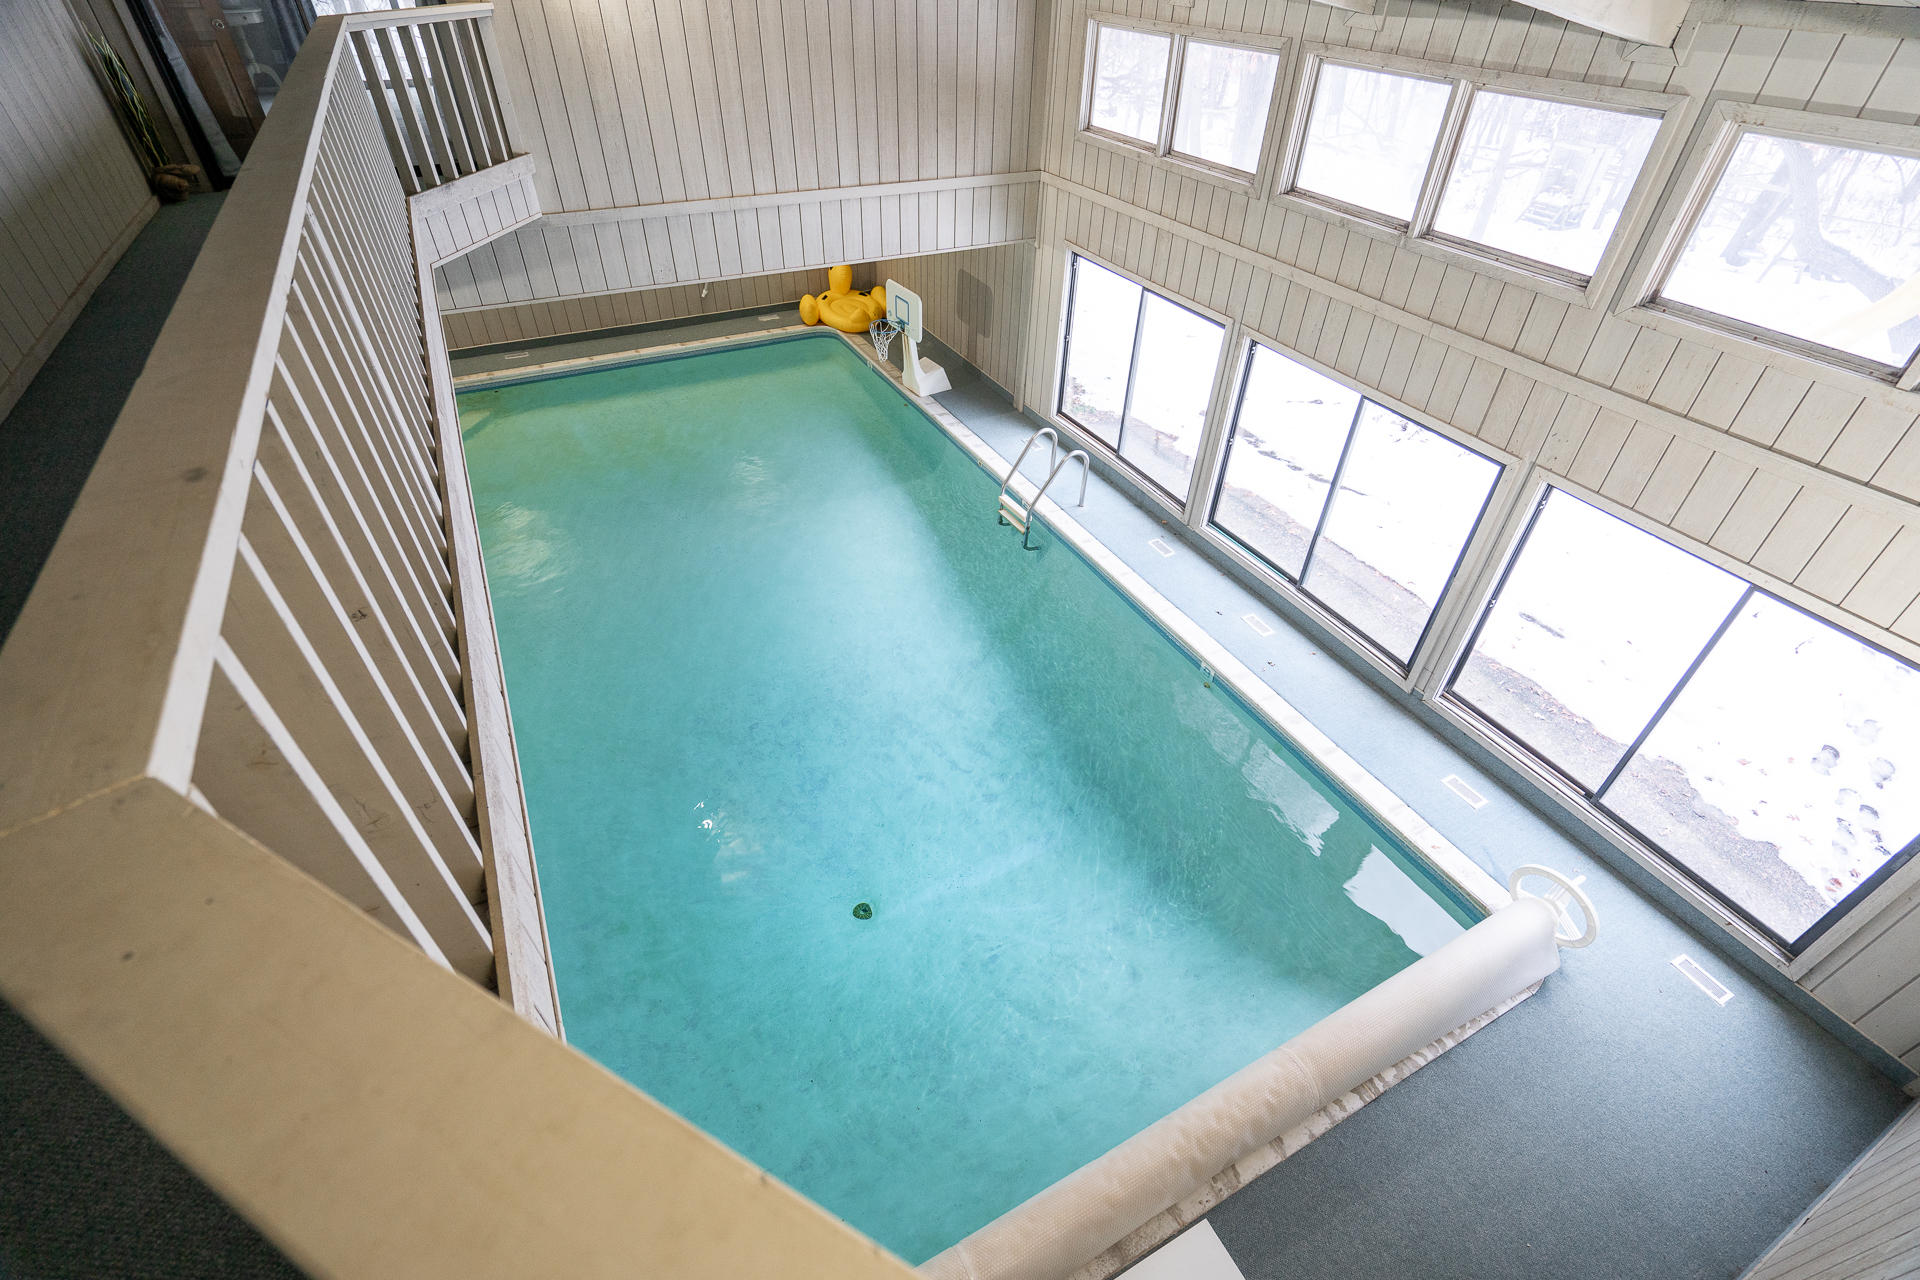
[(841, 307)]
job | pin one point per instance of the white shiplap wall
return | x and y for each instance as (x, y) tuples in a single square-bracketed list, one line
[(640, 306), (638, 102), (976, 302), (1801, 480), (681, 141), (72, 196), (1867, 1227), (558, 257)]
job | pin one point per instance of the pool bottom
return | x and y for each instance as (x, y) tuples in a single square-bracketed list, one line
[(615, 911)]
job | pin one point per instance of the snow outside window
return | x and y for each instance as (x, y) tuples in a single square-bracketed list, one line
[(1405, 504), (1813, 241), (1100, 329), (1543, 180), (1286, 444), (1224, 96), (1138, 373), (1786, 772), (1370, 136), (1593, 627), (1367, 511), (1770, 754), (1129, 83)]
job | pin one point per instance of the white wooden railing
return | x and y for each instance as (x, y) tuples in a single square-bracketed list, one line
[(262, 847), (287, 645), (440, 104)]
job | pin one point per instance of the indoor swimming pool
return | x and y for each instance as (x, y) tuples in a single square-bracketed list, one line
[(918, 868)]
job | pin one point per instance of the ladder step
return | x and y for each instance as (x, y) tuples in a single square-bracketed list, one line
[(1016, 515)]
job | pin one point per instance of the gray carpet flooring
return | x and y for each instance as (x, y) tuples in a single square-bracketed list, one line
[(85, 1192)]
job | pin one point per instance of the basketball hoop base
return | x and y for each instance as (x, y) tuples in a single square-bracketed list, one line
[(919, 375)]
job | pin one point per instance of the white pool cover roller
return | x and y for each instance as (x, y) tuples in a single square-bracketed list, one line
[(1079, 1216)]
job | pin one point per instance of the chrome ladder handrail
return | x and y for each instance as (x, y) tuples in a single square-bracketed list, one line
[(1021, 517)]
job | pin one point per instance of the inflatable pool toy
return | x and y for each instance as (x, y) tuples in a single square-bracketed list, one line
[(841, 307)]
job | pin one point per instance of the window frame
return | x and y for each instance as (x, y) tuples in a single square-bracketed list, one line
[(1432, 627), (1160, 152), (1675, 112), (1695, 182), (1088, 438), (1592, 798)]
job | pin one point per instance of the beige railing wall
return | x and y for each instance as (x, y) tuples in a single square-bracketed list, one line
[(262, 845), (255, 602)]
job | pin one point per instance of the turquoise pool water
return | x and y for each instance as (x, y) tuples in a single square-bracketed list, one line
[(770, 656)]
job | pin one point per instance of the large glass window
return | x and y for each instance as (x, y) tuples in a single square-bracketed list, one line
[(1406, 503), (1129, 83), (1138, 373), (1594, 624), (1759, 748), (1218, 117), (1542, 180), (1100, 329), (1367, 511), (1517, 176), (1370, 137), (1225, 94), (1287, 440), (1776, 775), (1811, 241)]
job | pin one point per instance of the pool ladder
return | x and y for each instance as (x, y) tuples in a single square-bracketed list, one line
[(1021, 518)]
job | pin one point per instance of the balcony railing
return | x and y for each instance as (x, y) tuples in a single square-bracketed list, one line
[(264, 863)]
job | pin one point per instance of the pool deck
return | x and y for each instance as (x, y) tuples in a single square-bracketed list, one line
[(1619, 1123)]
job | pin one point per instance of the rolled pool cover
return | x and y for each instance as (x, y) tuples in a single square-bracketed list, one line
[(1078, 1217)]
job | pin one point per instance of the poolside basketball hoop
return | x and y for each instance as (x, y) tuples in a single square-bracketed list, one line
[(882, 331), (922, 377)]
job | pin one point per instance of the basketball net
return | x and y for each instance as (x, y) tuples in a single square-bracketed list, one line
[(882, 331)]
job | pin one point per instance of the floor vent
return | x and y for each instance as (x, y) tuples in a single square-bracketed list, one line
[(516, 355), (1703, 980), (1161, 547), (1452, 783), (1259, 627), (766, 317)]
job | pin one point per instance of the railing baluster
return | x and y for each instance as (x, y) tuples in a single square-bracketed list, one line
[(419, 154), (486, 107), (426, 101), (445, 101), (372, 72)]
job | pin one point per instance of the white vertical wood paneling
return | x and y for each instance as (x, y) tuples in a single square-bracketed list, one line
[(579, 259), (637, 101), (976, 303), (72, 196), (616, 310), (1868, 1223)]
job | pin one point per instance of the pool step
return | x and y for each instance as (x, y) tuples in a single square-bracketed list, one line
[(1013, 513)]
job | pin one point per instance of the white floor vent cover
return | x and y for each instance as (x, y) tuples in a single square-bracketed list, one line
[(1196, 1254), (1703, 980), (1259, 627), (1452, 783), (1161, 547)]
